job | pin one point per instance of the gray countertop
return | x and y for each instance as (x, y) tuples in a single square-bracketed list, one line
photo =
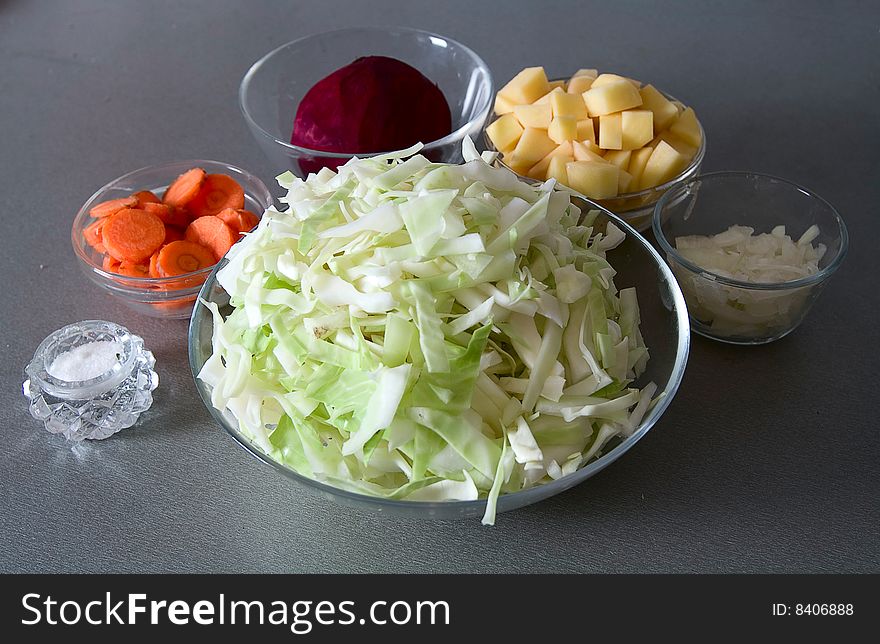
[(767, 460)]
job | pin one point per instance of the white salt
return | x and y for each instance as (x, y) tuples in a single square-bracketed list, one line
[(86, 361)]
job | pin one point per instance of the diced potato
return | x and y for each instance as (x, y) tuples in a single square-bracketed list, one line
[(579, 84), (610, 131), (620, 158), (558, 169), (624, 181), (557, 84), (534, 115), (527, 86), (687, 128), (638, 128), (505, 132), (606, 79), (636, 166), (685, 149), (664, 110), (591, 73), (502, 105), (513, 163), (584, 152), (565, 104), (539, 170), (562, 128), (533, 145), (664, 163), (585, 130), (610, 98), (593, 179)]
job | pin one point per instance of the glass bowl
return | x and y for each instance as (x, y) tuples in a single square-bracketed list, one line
[(664, 326), (163, 297), (636, 208), (273, 87), (731, 310)]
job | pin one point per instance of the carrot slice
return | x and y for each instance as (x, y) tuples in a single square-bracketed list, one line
[(154, 265), (132, 235), (219, 191), (185, 187), (181, 257), (172, 233), (113, 206), (131, 269), (110, 264), (93, 237), (241, 221), (213, 233), (144, 197), (170, 215)]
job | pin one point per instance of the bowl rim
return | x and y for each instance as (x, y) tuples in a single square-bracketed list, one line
[(695, 162), (457, 134), (678, 191), (132, 283), (505, 501)]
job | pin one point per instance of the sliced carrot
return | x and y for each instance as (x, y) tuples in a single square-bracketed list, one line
[(181, 257), (107, 208), (93, 237), (213, 233), (172, 233), (154, 264), (110, 264), (241, 221), (132, 235), (185, 187), (170, 215), (219, 191), (131, 269), (144, 197)]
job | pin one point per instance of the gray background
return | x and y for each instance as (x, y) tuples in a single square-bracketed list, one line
[(767, 460)]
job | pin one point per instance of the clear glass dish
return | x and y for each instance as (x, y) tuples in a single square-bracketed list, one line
[(636, 208), (163, 297), (273, 87), (731, 310), (664, 326)]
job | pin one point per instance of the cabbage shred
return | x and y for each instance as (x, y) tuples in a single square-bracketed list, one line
[(425, 331)]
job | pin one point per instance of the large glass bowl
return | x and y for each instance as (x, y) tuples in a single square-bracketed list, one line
[(732, 310), (163, 297), (273, 87), (664, 326)]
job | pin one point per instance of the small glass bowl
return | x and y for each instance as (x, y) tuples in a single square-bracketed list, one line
[(664, 325), (731, 310), (273, 87), (635, 208), (163, 297)]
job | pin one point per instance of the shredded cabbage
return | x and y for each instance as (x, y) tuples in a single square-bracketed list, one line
[(425, 331)]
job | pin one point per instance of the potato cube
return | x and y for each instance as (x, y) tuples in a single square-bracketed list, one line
[(610, 98), (539, 170), (505, 132), (565, 104), (558, 169), (685, 149), (533, 145), (585, 130), (624, 181), (590, 73), (593, 179), (664, 163), (557, 84), (637, 161), (687, 128), (502, 105), (579, 84), (545, 99), (527, 86), (562, 128), (664, 110), (638, 128), (610, 132), (534, 115), (620, 158), (584, 152), (606, 79), (514, 164)]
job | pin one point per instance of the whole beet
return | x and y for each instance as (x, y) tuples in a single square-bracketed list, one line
[(375, 104)]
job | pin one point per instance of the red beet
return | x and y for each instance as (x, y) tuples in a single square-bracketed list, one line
[(375, 104)]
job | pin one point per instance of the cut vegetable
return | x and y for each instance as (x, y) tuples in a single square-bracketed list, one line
[(240, 221), (212, 233), (111, 207), (132, 235), (185, 188), (218, 191), (181, 257)]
